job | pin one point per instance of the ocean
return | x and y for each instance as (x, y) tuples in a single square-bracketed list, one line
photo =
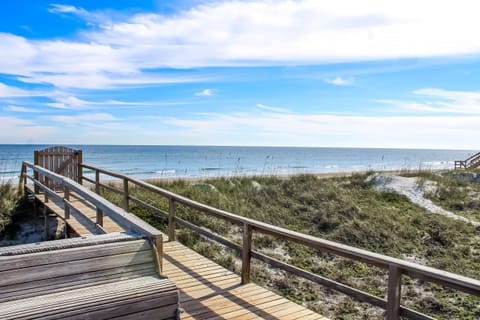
[(214, 161)]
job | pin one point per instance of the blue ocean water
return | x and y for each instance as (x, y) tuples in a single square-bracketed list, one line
[(209, 161)]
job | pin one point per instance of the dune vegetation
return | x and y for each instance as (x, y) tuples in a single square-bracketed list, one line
[(9, 200), (348, 210)]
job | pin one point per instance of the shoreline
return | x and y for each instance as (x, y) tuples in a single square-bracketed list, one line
[(320, 175)]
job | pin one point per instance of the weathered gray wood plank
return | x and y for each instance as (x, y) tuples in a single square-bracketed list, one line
[(74, 267), (72, 254), (90, 298)]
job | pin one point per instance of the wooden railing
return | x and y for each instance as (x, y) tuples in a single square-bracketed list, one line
[(129, 222), (469, 163), (396, 267)]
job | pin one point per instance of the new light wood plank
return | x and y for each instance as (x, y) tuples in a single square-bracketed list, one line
[(210, 291)]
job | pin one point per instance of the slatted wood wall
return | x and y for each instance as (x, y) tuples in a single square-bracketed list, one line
[(61, 160)]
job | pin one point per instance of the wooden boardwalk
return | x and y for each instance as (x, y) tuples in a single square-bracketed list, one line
[(81, 220), (207, 290)]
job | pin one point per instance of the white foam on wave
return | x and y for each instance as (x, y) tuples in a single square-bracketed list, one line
[(166, 172)]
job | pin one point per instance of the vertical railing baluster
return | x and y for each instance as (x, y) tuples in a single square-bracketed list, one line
[(21, 181), (67, 197), (394, 293), (99, 217), (246, 253), (171, 219), (80, 166), (97, 182), (125, 194), (158, 243), (35, 173), (47, 226)]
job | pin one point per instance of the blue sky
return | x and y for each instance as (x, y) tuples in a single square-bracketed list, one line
[(401, 74)]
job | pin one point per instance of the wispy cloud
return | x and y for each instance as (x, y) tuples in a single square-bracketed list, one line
[(84, 118), (272, 109), (71, 102), (92, 18), (9, 92), (339, 81), (21, 109), (60, 8), (204, 93), (16, 130), (434, 100), (331, 130)]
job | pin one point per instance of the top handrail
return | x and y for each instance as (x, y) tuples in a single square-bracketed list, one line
[(476, 155), (411, 269), (120, 216)]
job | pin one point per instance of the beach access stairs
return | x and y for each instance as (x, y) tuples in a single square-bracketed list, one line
[(471, 162), (207, 290)]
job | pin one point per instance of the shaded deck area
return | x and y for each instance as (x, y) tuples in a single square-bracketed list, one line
[(207, 290)]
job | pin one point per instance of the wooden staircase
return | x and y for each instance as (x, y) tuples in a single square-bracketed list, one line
[(470, 163)]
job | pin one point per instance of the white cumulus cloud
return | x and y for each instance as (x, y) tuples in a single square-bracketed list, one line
[(121, 48)]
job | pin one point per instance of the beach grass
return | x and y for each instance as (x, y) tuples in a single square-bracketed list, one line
[(346, 209), (8, 201), (454, 191), (12, 204)]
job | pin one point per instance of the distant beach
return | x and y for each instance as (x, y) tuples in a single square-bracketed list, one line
[(174, 162)]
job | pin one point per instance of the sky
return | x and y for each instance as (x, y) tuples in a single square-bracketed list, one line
[(371, 73)]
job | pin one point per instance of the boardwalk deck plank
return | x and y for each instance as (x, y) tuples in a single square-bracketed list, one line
[(205, 294)]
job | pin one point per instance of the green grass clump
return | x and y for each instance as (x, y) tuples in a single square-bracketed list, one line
[(9, 200)]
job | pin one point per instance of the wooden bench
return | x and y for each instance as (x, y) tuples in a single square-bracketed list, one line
[(113, 276)]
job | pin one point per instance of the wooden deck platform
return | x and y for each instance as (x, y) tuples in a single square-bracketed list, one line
[(78, 222), (207, 290)]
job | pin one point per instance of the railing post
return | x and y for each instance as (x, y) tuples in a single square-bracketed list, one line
[(23, 179), (246, 253), (171, 219), (80, 166), (36, 189), (125, 194), (67, 197), (394, 293), (158, 247), (100, 217), (46, 224), (97, 182), (66, 208)]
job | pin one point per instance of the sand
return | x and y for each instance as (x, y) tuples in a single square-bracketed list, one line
[(410, 188)]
